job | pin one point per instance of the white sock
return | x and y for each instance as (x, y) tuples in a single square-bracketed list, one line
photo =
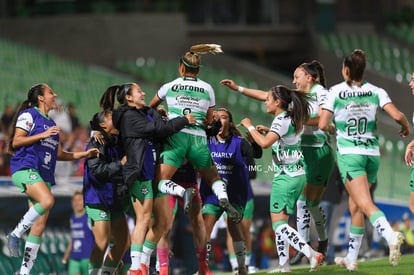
[(135, 259), (220, 189), (248, 258), (29, 257), (171, 188), (320, 221), (303, 218), (240, 251), (384, 228), (282, 248), (146, 255), (233, 261), (292, 237), (26, 222), (355, 241)]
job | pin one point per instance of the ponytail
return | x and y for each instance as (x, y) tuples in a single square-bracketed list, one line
[(295, 103)]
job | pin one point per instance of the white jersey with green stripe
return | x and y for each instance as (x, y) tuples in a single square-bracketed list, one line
[(188, 95), (354, 111), (286, 153), (312, 136)]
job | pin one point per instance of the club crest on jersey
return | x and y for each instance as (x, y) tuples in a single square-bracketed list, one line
[(32, 176), (103, 214), (144, 191)]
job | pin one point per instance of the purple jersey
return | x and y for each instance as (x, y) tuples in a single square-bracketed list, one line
[(232, 168), (83, 240), (41, 155)]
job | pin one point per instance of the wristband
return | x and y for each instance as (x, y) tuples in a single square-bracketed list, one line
[(240, 89), (251, 128)]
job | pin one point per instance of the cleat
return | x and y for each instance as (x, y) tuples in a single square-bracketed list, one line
[(315, 262), (297, 259), (13, 243), (144, 269), (203, 268), (163, 270), (189, 194), (232, 213), (348, 264), (395, 245)]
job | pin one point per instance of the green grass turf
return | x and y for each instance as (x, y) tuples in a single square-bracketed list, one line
[(376, 266)]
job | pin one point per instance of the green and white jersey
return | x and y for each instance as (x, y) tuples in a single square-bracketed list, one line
[(354, 113), (287, 156), (188, 95), (312, 136)]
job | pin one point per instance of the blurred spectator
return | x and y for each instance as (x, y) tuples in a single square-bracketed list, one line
[(5, 128), (265, 246), (405, 227), (6, 120), (62, 120), (82, 240)]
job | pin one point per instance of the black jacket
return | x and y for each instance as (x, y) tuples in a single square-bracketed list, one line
[(138, 127)]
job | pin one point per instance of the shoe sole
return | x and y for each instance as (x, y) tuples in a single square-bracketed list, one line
[(232, 213), (13, 252), (187, 206), (395, 254)]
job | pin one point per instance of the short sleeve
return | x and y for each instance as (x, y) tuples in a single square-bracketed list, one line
[(25, 121)]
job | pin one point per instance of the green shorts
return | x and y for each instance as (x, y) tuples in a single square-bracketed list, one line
[(412, 179), (352, 166), (182, 146), (249, 210), (217, 211), (78, 266), (141, 190), (319, 163), (29, 176), (97, 213), (285, 192)]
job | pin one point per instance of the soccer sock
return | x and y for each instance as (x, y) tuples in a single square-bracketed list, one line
[(220, 189), (380, 222), (171, 188), (356, 234), (34, 212), (303, 218), (162, 254), (248, 258), (147, 250), (240, 251), (319, 218), (201, 253), (30, 253), (136, 252), (233, 261), (292, 237), (282, 248)]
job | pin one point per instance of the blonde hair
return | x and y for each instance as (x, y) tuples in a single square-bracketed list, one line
[(191, 59)]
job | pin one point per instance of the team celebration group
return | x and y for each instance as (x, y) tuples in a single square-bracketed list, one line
[(144, 160)]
